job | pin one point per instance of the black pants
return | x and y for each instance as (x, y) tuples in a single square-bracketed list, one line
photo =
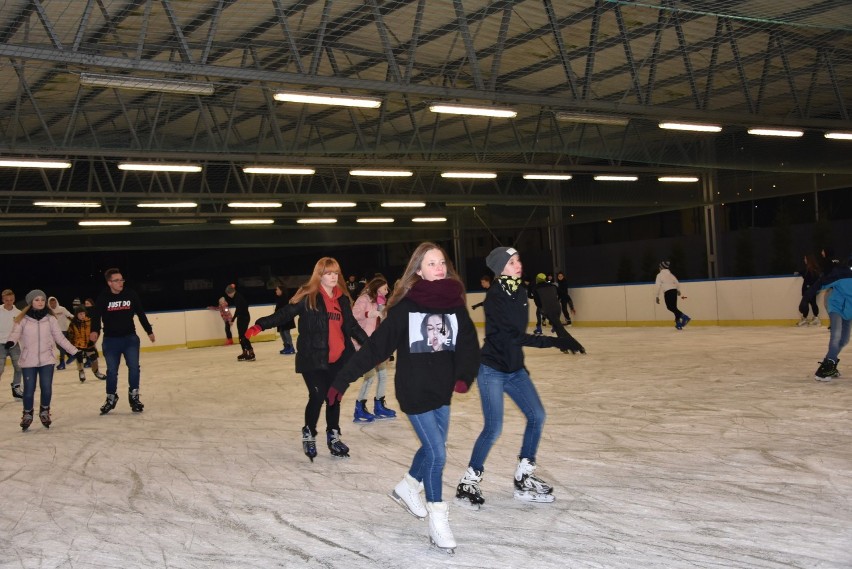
[(564, 303), (671, 303), (814, 307), (242, 326), (318, 382)]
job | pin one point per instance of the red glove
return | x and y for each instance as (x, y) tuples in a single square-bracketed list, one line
[(334, 396), (461, 387), (253, 331)]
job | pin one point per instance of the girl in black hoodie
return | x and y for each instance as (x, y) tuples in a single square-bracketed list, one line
[(425, 379)]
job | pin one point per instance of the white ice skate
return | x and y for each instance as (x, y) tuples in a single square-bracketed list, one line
[(407, 495), (440, 533)]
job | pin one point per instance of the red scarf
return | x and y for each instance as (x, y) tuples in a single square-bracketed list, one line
[(336, 342)]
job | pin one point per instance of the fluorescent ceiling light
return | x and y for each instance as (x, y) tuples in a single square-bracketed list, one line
[(606, 178), (839, 135), (428, 219), (104, 222), (146, 84), (382, 173), (677, 179), (776, 132), (547, 176), (690, 127), (251, 222), (254, 204), (374, 220), (319, 99), (470, 175), (23, 163), (403, 204), (158, 167), (332, 204), (167, 204), (316, 220), (67, 204), (591, 118), (284, 170), (453, 109)]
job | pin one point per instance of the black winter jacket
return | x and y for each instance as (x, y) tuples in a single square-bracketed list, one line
[(312, 343), (506, 320), (424, 381)]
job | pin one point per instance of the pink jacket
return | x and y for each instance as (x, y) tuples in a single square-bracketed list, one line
[(38, 339), (362, 306)]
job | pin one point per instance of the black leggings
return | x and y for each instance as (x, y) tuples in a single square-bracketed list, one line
[(814, 308), (318, 382), (242, 326), (671, 303)]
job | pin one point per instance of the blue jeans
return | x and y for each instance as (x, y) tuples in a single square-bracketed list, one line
[(114, 348), (428, 464), (839, 335), (45, 385), (14, 354), (517, 385)]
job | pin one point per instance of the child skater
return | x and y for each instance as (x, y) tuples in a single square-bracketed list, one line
[(368, 311), (839, 306), (326, 327), (669, 285), (78, 334), (38, 333), (502, 371), (227, 318), (424, 381)]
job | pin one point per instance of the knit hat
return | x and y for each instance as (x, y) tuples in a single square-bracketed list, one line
[(664, 265), (497, 259), (230, 288), (76, 302), (540, 278), (78, 309), (33, 294)]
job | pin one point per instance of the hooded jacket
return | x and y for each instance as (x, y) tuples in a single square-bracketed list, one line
[(38, 340), (312, 343), (839, 280), (424, 380)]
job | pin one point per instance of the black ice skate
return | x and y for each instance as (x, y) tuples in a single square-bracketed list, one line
[(335, 445), (44, 417), (82, 375), (309, 443), (133, 398), (827, 370), (468, 491), (530, 488), (26, 420), (109, 404)]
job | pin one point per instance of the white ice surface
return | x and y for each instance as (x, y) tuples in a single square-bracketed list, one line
[(712, 448)]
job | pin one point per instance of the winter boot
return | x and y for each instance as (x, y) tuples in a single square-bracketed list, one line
[(361, 413), (407, 495), (827, 370), (468, 488), (17, 392), (27, 420), (528, 487), (335, 445), (440, 533), (309, 443), (133, 398), (109, 404), (380, 411), (44, 416)]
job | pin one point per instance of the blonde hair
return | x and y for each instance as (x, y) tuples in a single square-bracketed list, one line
[(311, 287), (410, 277), (26, 309)]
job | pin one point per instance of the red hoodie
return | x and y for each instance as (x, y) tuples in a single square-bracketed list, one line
[(335, 324)]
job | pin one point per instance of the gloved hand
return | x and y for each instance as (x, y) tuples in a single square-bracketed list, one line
[(658, 300), (334, 396), (373, 314), (8, 345), (253, 331), (461, 387), (569, 344)]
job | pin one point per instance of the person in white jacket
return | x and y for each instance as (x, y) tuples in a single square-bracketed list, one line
[(63, 318), (38, 334), (668, 284), (8, 312)]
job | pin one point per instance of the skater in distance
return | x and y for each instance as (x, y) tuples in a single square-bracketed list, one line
[(839, 306), (424, 381), (668, 284)]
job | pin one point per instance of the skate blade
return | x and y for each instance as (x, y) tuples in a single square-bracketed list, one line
[(534, 497), (396, 498), (447, 550), (467, 504), (362, 420)]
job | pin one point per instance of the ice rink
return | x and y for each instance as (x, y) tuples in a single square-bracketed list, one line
[(711, 447)]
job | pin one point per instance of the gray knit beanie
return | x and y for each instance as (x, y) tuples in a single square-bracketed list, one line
[(497, 259), (33, 294)]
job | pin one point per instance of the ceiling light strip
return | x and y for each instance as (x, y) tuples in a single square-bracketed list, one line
[(332, 204), (254, 204), (25, 163), (470, 175), (104, 223), (453, 109), (66, 204), (428, 219), (168, 204), (547, 176), (610, 178), (145, 84), (251, 222), (375, 220), (279, 170), (790, 133), (690, 127), (316, 220), (676, 179), (382, 173), (159, 167), (403, 204), (320, 99)]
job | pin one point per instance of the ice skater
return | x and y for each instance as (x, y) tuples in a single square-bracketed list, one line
[(424, 381), (839, 306), (227, 318), (670, 287), (38, 333), (241, 315), (326, 328), (368, 311), (282, 298), (502, 371), (79, 333), (810, 274), (8, 313)]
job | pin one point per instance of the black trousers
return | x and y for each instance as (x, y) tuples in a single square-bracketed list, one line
[(318, 382), (671, 303), (242, 326)]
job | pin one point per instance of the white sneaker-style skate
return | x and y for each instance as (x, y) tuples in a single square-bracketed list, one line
[(407, 495), (530, 488), (803, 322), (815, 322), (440, 533)]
